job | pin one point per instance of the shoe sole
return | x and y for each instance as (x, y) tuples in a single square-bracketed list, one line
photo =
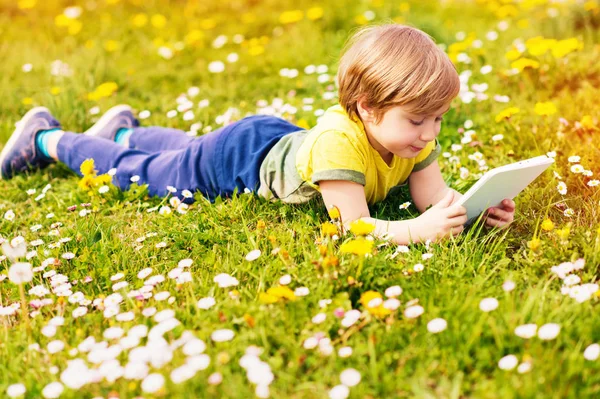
[(107, 117), (17, 133)]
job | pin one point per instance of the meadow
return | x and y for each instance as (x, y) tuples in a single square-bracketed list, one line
[(114, 294)]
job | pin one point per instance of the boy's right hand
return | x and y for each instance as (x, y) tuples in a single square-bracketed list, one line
[(441, 220)]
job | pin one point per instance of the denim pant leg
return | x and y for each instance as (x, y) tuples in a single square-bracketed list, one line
[(178, 168), (156, 138)]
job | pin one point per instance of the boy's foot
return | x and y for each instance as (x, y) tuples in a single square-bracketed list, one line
[(119, 116), (20, 152)]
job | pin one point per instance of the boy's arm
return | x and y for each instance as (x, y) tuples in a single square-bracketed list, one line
[(349, 198), (427, 187)]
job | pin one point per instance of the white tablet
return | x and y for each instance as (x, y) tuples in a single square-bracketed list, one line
[(505, 181)]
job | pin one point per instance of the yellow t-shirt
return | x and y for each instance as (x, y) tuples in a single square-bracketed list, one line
[(337, 148)]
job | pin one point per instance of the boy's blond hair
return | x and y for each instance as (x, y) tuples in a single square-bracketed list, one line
[(392, 65)]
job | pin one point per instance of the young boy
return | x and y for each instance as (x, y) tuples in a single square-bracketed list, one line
[(394, 84)]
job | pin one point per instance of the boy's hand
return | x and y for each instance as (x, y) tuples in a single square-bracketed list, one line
[(442, 220), (500, 217)]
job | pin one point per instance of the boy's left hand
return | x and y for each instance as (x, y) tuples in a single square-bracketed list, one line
[(500, 216)]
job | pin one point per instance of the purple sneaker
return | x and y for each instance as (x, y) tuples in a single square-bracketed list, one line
[(119, 116), (20, 152)]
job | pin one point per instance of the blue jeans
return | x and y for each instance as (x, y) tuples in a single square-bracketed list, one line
[(214, 164)]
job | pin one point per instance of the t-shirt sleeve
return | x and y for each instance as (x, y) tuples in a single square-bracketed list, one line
[(429, 154), (334, 156)]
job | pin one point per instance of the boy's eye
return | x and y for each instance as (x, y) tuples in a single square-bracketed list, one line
[(417, 123)]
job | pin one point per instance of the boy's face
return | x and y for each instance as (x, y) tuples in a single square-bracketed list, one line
[(400, 132)]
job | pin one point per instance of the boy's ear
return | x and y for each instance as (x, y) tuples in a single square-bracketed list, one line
[(365, 112)]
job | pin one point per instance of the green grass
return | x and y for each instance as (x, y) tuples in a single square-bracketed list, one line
[(396, 356)]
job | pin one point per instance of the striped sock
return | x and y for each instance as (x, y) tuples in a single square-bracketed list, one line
[(122, 135), (41, 140)]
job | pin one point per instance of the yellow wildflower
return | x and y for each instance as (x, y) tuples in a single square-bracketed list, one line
[(260, 225), (55, 90), (587, 123), (303, 124), (111, 45), (334, 212), (507, 113), (158, 21), (538, 46), (358, 247), (314, 13), (139, 20), (512, 54), (563, 233), (266, 298), (329, 229), (87, 167), (194, 36), (288, 17), (26, 4), (547, 225), (86, 182), (102, 179), (564, 47), (256, 50), (330, 261), (373, 302), (27, 101), (248, 18), (275, 294), (282, 292), (545, 109), (523, 63), (74, 27), (361, 228), (208, 23), (62, 21), (535, 244)]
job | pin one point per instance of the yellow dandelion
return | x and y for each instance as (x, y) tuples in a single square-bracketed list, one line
[(563, 233), (55, 91), (523, 63), (303, 124), (535, 244), (334, 212), (361, 228), (111, 46), (74, 27), (565, 47), (330, 261), (282, 292), (507, 113), (547, 225), (139, 20), (359, 247), (373, 302), (86, 182), (260, 225), (193, 37), (545, 109), (27, 101), (87, 167), (26, 4), (314, 13), (266, 298), (158, 21), (102, 179), (587, 123), (208, 24), (329, 229), (288, 17)]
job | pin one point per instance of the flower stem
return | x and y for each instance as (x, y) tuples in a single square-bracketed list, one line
[(25, 314)]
